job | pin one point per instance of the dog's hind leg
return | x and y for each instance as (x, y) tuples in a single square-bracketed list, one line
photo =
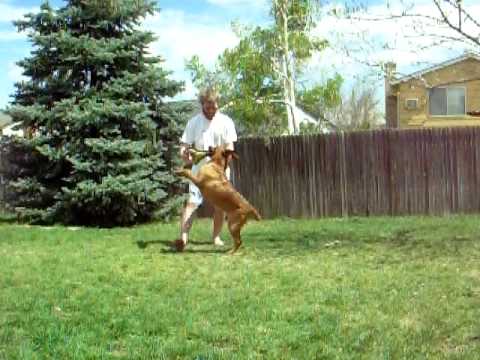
[(235, 224)]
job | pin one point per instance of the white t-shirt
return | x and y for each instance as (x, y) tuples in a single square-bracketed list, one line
[(203, 133)]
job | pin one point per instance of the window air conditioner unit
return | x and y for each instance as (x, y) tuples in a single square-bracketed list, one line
[(411, 104)]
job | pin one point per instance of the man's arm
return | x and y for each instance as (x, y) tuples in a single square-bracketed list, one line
[(186, 141)]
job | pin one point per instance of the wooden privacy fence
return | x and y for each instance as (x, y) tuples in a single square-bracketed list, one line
[(383, 172), (2, 193), (2, 184)]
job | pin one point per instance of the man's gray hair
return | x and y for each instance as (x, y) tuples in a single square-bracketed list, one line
[(208, 94)]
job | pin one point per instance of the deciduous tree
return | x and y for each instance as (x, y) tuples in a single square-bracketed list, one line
[(260, 77)]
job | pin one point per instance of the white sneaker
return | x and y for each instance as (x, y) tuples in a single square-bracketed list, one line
[(218, 242)]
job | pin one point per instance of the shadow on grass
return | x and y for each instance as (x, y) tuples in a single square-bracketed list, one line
[(172, 250), (407, 241), (144, 244), (413, 242), (169, 247), (275, 244), (8, 218), (298, 240)]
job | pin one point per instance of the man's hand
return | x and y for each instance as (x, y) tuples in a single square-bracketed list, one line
[(185, 154)]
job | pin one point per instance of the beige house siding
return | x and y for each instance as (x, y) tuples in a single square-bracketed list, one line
[(465, 74)]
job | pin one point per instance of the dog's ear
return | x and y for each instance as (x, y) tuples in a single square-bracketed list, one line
[(231, 153)]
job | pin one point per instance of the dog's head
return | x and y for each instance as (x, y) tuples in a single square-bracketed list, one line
[(221, 155)]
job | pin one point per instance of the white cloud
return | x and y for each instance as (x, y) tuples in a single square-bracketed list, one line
[(9, 12), (355, 44), (181, 36), (358, 45), (408, 39)]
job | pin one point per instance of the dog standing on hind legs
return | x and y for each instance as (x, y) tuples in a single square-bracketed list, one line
[(215, 187)]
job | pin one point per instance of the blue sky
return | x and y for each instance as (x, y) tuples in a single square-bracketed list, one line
[(202, 27), (184, 18)]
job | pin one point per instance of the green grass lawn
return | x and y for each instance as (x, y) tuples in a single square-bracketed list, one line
[(373, 288)]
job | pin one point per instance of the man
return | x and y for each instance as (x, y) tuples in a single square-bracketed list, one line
[(209, 128)]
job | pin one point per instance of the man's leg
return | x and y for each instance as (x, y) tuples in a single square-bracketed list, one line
[(218, 216), (193, 202), (186, 220)]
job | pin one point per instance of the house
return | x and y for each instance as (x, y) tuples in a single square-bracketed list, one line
[(306, 120), (5, 123), (447, 94), (12, 130), (8, 127)]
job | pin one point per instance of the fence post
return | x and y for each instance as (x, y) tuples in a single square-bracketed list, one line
[(343, 174)]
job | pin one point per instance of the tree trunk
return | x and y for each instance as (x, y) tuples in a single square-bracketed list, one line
[(288, 81)]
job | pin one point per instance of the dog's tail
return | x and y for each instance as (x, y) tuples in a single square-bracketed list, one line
[(255, 214)]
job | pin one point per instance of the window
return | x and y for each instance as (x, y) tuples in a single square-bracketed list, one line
[(411, 104), (447, 101)]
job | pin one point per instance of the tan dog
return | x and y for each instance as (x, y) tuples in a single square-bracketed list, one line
[(216, 188)]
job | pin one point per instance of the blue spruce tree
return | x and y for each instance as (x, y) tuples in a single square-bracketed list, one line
[(103, 138)]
